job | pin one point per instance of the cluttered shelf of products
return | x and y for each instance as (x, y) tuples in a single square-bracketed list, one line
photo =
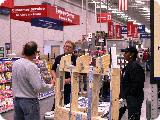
[(6, 96)]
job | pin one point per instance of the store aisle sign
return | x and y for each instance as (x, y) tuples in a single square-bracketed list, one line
[(123, 29), (6, 3), (104, 17), (47, 23), (145, 36), (118, 31), (141, 28), (134, 31), (26, 13), (110, 30), (129, 29)]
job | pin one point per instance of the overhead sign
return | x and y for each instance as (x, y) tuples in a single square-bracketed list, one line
[(110, 30), (118, 32), (134, 31), (141, 28), (6, 3), (47, 23), (145, 35), (26, 13), (129, 29), (123, 29), (104, 17)]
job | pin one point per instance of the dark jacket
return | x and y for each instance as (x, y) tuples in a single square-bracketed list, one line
[(132, 82)]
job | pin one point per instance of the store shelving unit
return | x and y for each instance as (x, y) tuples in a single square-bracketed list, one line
[(6, 98)]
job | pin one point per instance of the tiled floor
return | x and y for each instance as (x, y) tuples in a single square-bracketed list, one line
[(46, 104)]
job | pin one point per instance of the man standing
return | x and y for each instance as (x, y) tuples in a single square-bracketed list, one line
[(69, 47), (132, 84), (27, 83)]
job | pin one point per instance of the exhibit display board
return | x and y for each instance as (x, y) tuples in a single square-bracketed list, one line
[(156, 42)]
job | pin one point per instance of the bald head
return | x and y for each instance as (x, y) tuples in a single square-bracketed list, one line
[(30, 48)]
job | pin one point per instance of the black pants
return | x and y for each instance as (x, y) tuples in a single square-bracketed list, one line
[(67, 92), (134, 105)]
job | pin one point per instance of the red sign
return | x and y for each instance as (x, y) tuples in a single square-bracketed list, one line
[(129, 29), (135, 31), (110, 30), (118, 31), (7, 3), (104, 17), (26, 13)]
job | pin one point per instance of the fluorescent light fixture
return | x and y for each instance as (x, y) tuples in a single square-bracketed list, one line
[(116, 12), (112, 9)]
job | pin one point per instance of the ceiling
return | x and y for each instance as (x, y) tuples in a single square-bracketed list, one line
[(138, 11)]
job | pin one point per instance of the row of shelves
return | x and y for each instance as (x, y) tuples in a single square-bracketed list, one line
[(6, 95), (6, 103)]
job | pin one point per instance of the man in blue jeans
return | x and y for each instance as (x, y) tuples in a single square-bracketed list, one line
[(27, 83)]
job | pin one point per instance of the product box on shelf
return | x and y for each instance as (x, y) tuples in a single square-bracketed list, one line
[(6, 96), (46, 76)]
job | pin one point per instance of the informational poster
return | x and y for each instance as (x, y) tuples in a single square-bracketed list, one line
[(156, 40)]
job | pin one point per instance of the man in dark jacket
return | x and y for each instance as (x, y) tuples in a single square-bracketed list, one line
[(69, 47), (132, 84)]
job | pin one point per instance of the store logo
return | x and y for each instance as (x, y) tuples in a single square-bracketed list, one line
[(1, 1)]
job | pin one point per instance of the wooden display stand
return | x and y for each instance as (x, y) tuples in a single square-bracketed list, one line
[(94, 73)]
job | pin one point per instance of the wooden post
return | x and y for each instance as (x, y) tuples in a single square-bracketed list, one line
[(115, 88)]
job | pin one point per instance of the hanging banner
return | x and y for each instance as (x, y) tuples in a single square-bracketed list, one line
[(141, 28), (118, 32), (110, 30), (129, 29), (145, 36), (6, 3), (47, 23), (26, 13), (104, 17), (134, 31), (123, 29), (122, 5)]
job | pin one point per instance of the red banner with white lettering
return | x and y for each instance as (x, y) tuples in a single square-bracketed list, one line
[(118, 31), (110, 30), (26, 13), (129, 29), (135, 31), (104, 17), (6, 3)]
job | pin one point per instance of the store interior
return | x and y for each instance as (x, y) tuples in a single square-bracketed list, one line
[(100, 30)]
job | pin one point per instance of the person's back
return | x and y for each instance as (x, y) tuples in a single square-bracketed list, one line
[(22, 86), (27, 83)]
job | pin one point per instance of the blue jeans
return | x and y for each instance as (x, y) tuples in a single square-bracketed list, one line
[(26, 109)]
